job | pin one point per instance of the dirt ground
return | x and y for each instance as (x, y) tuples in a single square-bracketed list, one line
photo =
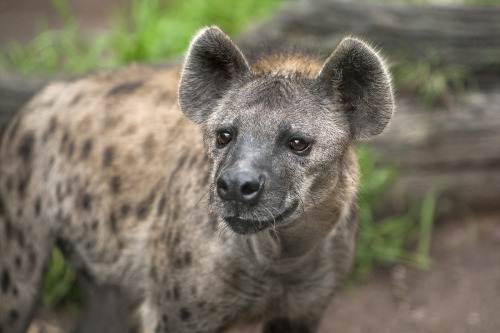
[(460, 294)]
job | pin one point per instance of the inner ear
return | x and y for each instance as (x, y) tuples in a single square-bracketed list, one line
[(356, 78), (213, 63)]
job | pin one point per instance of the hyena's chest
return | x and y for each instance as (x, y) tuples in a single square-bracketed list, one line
[(219, 289)]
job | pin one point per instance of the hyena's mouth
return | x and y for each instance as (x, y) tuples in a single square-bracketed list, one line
[(249, 226)]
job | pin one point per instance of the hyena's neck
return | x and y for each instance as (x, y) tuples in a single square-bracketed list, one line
[(285, 246)]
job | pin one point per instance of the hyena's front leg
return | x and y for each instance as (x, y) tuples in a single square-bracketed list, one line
[(24, 253)]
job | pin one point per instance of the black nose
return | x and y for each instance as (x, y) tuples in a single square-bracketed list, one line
[(240, 185)]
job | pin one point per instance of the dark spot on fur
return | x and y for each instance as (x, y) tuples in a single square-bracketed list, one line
[(86, 201), (86, 148), (124, 88), (15, 292), (8, 183), (157, 329), (95, 224), (108, 156), (179, 166), (90, 244), (14, 315), (168, 295), (177, 239), (20, 239), (205, 180), (144, 207), (64, 141), (187, 258), (153, 273), (32, 258), (52, 125), (68, 188), (14, 128), (8, 229), (21, 186), (50, 130), (193, 160), (59, 192), (161, 205), (125, 209), (112, 221), (178, 263), (116, 184), (201, 304), (18, 262), (75, 100), (175, 215), (38, 205), (185, 314), (177, 294), (5, 281), (71, 149), (26, 146), (149, 146), (2, 207), (164, 318)]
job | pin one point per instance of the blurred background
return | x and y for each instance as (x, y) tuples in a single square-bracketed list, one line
[(428, 257)]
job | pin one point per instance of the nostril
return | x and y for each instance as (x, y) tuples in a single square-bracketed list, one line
[(222, 188), (249, 188), (221, 183)]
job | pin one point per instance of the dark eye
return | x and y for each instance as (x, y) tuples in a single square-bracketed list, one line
[(298, 145), (223, 138)]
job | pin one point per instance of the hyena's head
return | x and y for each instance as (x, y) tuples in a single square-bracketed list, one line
[(277, 131)]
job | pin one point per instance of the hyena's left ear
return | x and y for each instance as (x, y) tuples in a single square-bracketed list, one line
[(359, 80), (212, 63)]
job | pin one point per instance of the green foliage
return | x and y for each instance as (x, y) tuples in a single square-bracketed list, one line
[(386, 240), (156, 29), (431, 82), (59, 284), (54, 51), (150, 31)]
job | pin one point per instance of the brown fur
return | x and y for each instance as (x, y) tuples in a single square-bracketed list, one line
[(110, 169)]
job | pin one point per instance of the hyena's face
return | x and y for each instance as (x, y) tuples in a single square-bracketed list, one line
[(277, 140), (274, 146)]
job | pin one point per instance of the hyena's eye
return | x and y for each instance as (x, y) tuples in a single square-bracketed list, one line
[(223, 138), (298, 145)]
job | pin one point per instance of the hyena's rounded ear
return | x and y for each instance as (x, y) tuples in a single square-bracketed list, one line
[(212, 63), (358, 79)]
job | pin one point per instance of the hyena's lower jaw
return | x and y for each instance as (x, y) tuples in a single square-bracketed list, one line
[(248, 226)]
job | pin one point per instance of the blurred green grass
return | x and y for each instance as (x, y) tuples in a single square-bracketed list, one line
[(149, 31)]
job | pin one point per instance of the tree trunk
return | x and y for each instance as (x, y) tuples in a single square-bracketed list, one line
[(456, 149)]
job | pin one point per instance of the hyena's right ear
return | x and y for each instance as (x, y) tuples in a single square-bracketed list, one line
[(212, 63)]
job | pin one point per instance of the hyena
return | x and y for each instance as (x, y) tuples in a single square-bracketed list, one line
[(216, 197)]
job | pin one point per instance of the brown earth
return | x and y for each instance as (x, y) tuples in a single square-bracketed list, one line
[(460, 294)]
